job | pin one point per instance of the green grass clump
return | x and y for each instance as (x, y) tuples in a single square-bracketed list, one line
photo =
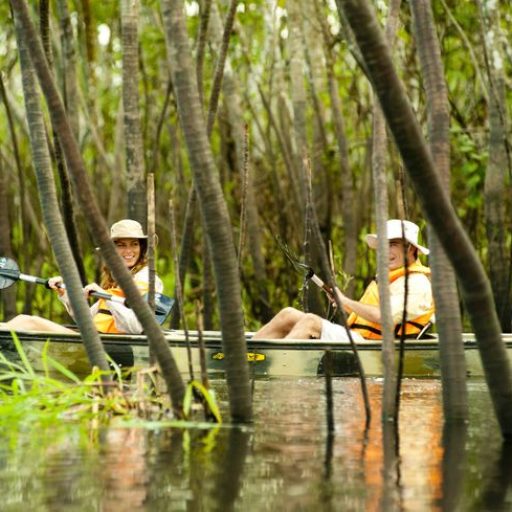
[(101, 399)]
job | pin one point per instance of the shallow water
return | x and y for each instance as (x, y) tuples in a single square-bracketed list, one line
[(285, 461)]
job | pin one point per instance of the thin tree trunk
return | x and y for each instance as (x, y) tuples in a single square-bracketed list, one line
[(233, 103), (476, 291), (186, 250), (135, 170), (90, 37), (451, 346), (213, 105), (496, 192), (201, 44), (69, 78), (301, 154), (51, 214), (8, 296), (208, 287), (94, 219), (22, 188), (219, 68), (348, 203), (70, 95), (298, 96), (389, 392), (213, 209), (323, 185)]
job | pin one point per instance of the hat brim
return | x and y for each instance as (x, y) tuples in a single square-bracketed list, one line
[(117, 237), (371, 240)]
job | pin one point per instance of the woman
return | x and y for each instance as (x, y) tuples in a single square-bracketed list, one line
[(108, 316)]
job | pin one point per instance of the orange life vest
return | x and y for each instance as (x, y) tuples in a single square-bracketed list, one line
[(373, 330), (103, 319)]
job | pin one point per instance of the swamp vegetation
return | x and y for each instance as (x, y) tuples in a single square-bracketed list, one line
[(261, 125)]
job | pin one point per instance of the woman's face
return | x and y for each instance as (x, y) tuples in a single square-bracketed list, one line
[(129, 250)]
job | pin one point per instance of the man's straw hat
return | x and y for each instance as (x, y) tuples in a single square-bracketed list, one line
[(409, 231)]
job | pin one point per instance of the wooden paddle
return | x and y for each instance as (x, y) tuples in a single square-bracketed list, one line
[(10, 273), (308, 271)]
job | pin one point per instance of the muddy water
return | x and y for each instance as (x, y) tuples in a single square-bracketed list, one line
[(285, 461)]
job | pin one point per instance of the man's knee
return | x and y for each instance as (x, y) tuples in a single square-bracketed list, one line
[(308, 327), (312, 319), (290, 315), (312, 323)]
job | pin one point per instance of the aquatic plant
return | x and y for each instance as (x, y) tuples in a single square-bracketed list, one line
[(57, 394)]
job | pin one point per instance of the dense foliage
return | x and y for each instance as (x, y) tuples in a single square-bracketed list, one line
[(259, 91)]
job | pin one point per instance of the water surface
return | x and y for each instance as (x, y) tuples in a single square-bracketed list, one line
[(285, 461)]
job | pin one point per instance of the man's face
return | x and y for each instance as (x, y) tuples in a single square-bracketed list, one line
[(396, 253)]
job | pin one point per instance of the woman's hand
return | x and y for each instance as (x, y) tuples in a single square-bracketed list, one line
[(56, 283), (92, 287)]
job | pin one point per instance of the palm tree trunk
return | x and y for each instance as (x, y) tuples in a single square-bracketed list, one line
[(323, 185), (348, 203), (301, 152), (51, 214), (90, 37), (390, 391), (135, 171), (213, 209), (476, 291), (22, 186), (451, 346), (233, 103), (186, 250), (496, 189), (8, 296), (300, 142), (70, 95), (93, 217), (70, 85)]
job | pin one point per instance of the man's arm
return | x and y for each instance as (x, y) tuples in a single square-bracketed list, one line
[(367, 311)]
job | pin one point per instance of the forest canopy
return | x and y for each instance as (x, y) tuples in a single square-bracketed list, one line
[(293, 95)]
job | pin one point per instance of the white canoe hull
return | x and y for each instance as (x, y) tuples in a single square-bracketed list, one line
[(267, 358)]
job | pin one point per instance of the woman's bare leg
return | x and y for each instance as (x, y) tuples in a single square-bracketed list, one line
[(33, 323), (308, 327), (280, 325)]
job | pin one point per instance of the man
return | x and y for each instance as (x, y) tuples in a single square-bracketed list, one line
[(364, 318)]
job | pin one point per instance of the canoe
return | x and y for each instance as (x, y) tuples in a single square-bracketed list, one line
[(267, 358)]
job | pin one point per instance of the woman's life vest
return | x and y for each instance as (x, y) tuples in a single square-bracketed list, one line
[(373, 330), (103, 319)]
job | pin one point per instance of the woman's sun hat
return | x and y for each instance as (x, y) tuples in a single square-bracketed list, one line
[(127, 228), (397, 228)]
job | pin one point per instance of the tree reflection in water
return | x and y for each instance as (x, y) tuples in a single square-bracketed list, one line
[(284, 461)]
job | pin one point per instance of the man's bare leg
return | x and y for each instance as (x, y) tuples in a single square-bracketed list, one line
[(280, 325), (33, 323), (308, 327)]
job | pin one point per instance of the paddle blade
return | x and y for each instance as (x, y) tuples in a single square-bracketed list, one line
[(9, 272), (163, 306)]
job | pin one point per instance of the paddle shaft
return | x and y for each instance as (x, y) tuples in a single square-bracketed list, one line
[(39, 280), (20, 276), (313, 277), (10, 273)]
